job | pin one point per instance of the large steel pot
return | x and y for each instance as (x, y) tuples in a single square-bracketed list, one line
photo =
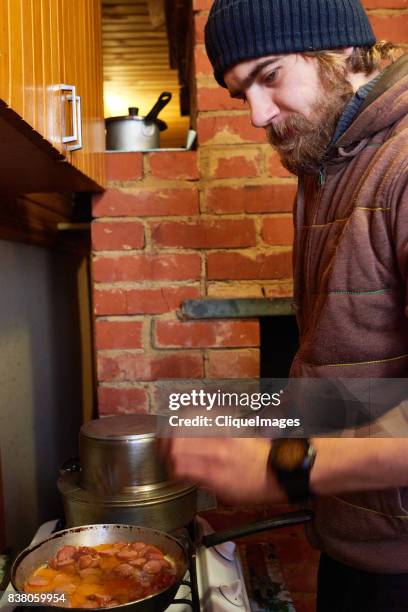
[(136, 133), (121, 479), (118, 455), (167, 508)]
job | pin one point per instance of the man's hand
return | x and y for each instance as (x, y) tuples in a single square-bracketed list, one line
[(235, 468)]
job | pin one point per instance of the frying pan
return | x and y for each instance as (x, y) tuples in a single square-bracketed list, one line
[(92, 535)]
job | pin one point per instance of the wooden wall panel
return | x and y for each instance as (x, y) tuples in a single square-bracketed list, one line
[(4, 51), (16, 98), (29, 63), (85, 72), (78, 60), (44, 43), (90, 88), (50, 26), (99, 137), (81, 59), (38, 50), (30, 88), (67, 58)]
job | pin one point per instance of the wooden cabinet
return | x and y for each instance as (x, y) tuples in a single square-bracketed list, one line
[(44, 46)]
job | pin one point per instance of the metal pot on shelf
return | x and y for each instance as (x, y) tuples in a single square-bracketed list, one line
[(134, 132), (121, 479)]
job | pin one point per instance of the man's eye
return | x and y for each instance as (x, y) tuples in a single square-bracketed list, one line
[(271, 77)]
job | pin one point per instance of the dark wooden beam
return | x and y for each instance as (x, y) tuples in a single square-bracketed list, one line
[(180, 29)]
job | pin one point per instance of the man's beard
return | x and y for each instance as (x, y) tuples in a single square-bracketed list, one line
[(302, 142)]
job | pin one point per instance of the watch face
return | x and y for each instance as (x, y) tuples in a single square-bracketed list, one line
[(289, 454)]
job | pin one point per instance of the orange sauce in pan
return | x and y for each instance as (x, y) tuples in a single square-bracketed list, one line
[(121, 574)]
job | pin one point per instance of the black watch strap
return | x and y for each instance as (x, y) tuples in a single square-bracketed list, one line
[(295, 481), (295, 484)]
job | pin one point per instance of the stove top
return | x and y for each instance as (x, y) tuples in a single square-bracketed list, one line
[(213, 583)]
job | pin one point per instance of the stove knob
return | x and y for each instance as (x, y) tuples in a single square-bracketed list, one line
[(226, 550), (233, 593)]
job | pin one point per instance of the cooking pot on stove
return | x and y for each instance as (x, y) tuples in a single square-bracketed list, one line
[(121, 479), (167, 508), (118, 455), (136, 133)]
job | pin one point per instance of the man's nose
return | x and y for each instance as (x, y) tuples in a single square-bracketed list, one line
[(263, 110)]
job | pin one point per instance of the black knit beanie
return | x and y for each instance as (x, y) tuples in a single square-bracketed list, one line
[(239, 30)]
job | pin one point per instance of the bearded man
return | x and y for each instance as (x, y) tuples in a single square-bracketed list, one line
[(334, 104)]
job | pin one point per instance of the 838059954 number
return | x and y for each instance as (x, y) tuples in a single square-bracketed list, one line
[(36, 598)]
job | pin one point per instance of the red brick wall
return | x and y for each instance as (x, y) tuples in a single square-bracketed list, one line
[(177, 226)]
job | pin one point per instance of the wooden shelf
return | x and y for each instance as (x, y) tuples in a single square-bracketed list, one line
[(44, 220), (29, 163)]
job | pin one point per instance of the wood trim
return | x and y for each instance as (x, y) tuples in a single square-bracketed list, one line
[(180, 31), (35, 219), (2, 518), (86, 334)]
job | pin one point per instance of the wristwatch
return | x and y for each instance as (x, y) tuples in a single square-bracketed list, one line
[(291, 461)]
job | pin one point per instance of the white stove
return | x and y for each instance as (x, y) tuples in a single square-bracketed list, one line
[(220, 581), (221, 584)]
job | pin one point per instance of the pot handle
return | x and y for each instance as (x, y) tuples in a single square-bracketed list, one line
[(70, 465), (163, 100), (281, 520)]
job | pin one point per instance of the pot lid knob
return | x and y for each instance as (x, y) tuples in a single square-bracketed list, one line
[(133, 111)]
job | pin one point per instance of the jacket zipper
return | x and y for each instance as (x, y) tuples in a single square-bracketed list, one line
[(321, 182), (322, 175)]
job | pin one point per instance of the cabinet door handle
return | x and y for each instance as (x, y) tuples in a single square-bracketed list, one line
[(76, 102), (70, 98)]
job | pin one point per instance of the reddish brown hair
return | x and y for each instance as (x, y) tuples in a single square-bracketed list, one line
[(362, 59)]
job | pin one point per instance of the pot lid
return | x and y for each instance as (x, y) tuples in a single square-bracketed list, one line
[(124, 118), (127, 427), (162, 125)]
